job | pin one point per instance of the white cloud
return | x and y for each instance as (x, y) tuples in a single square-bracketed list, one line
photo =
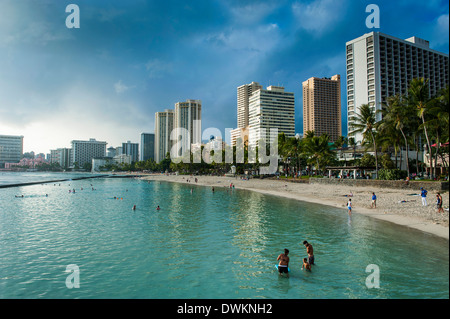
[(252, 13), (119, 87), (319, 16), (157, 68)]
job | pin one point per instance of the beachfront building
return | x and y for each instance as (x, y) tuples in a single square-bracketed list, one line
[(322, 106), (84, 151), (147, 147), (62, 156), (122, 159), (271, 108), (187, 122), (11, 149), (243, 101), (164, 122), (99, 162), (111, 152), (380, 65), (131, 149), (239, 133)]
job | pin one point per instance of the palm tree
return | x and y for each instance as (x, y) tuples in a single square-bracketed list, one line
[(364, 123), (395, 116), (439, 121), (292, 150), (318, 149), (418, 94)]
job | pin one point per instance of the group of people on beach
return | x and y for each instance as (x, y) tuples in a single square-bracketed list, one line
[(423, 195), (283, 265)]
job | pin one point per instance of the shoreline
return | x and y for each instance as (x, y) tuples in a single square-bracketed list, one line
[(391, 204)]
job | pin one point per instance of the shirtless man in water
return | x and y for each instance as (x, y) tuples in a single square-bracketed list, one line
[(310, 252), (284, 262)]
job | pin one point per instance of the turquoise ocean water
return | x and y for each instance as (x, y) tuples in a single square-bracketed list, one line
[(202, 245)]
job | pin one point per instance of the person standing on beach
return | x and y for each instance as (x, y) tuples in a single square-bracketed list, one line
[(423, 194), (284, 263), (439, 203), (310, 252), (374, 201)]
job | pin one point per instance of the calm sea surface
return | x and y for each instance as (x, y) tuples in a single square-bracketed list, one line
[(9, 178), (202, 245)]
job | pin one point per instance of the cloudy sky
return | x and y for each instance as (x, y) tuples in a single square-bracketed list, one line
[(130, 59)]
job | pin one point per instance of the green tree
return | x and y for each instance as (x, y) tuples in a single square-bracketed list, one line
[(418, 96), (364, 122), (318, 150), (396, 118)]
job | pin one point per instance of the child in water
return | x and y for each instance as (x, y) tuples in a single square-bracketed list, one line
[(306, 265)]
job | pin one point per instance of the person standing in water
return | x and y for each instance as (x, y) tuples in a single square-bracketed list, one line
[(349, 206), (283, 266), (310, 252), (306, 264)]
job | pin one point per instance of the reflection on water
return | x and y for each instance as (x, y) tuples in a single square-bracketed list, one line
[(202, 244)]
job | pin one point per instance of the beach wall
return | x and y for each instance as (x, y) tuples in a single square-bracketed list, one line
[(413, 185)]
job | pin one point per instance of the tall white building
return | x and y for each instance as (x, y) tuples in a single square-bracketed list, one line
[(243, 95), (84, 151), (164, 124), (188, 116), (379, 66), (11, 149), (271, 108)]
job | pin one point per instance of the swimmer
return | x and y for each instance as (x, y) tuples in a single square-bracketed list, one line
[(134, 207), (213, 189), (306, 264), (157, 208), (349, 206)]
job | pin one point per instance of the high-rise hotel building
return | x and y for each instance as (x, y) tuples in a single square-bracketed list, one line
[(84, 151), (271, 108), (322, 106), (243, 101), (188, 116), (163, 128), (147, 147), (11, 149), (379, 66), (131, 149), (243, 96)]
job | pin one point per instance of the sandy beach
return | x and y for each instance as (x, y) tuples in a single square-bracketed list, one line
[(398, 206)]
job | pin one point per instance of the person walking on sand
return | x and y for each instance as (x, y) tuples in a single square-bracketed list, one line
[(310, 252), (374, 201), (423, 194), (349, 206), (283, 266), (439, 203)]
